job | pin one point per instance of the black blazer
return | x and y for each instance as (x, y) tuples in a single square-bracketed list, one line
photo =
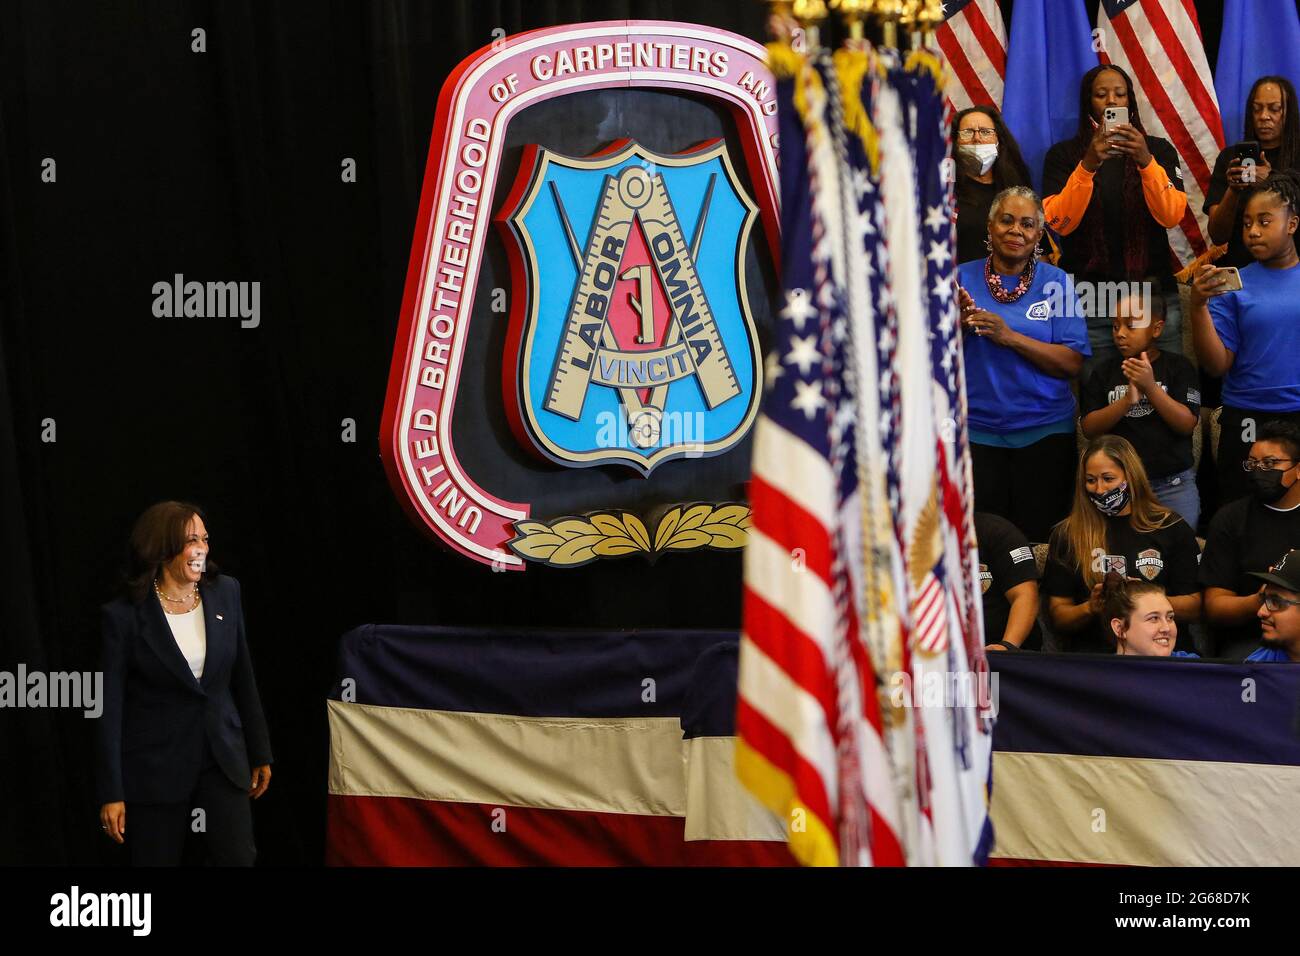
[(150, 740)]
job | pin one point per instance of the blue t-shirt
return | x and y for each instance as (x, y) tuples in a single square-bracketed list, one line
[(1268, 654), (1005, 391), (1260, 325)]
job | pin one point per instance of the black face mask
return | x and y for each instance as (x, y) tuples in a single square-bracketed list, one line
[(1267, 485), (1113, 501)]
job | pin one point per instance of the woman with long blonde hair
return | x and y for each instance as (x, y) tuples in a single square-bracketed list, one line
[(1116, 524)]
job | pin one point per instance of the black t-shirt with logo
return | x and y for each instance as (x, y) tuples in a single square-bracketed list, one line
[(1166, 556), (1164, 452), (1245, 536), (1006, 560)]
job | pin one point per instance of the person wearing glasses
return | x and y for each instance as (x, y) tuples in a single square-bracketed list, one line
[(1279, 612), (988, 161), (1246, 537), (1250, 336)]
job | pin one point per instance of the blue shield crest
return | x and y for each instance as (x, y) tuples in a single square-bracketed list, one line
[(632, 341)]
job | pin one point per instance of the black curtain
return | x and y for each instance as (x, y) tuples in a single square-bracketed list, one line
[(225, 165)]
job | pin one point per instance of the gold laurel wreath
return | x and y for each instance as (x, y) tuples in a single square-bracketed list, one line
[(568, 542)]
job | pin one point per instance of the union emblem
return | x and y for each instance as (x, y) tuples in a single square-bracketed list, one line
[(632, 342)]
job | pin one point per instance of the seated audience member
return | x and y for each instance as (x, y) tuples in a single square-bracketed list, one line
[(1279, 611), (1247, 536), (1252, 336), (1024, 341), (1112, 196), (1272, 121), (1117, 525), (1009, 583), (988, 161), (1150, 398), (1140, 619)]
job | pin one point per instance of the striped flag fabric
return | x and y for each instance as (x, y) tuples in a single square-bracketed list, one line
[(973, 40), (1158, 43), (1106, 761), (475, 747), (807, 686), (859, 567), (1143, 761)]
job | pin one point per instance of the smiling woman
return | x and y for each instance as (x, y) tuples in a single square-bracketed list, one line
[(182, 725), (1023, 343)]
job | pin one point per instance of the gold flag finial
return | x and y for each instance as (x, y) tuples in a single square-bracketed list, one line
[(854, 13)]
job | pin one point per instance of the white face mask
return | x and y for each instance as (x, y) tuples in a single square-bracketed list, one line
[(983, 155)]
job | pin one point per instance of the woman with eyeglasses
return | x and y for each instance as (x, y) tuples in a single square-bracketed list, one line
[(1111, 193), (1116, 525), (1248, 536), (1251, 336), (988, 161)]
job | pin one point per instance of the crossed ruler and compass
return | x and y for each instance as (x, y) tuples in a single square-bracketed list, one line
[(692, 345)]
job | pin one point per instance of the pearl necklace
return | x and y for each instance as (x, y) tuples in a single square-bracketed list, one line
[(180, 600), (995, 284)]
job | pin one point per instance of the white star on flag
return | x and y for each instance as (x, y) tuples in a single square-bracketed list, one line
[(943, 288), (939, 253), (798, 308), (936, 218), (803, 352), (809, 398)]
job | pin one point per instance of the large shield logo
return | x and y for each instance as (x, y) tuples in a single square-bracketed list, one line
[(633, 342)]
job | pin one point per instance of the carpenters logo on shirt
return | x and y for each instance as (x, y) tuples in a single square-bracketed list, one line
[(986, 579), (1149, 564), (1142, 409)]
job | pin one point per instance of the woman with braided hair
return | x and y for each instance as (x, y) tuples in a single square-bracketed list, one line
[(1251, 336), (1111, 194)]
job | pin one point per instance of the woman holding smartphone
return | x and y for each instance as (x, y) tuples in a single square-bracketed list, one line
[(1110, 193), (1244, 326), (1272, 142)]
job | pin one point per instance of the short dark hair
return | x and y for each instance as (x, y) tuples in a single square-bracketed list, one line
[(1282, 433), (157, 536)]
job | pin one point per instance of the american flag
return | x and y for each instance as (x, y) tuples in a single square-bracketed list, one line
[(807, 686), (973, 38), (842, 448), (1158, 43)]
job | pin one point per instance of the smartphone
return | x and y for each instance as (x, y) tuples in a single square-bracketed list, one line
[(1234, 279), (1247, 150), (1113, 116)]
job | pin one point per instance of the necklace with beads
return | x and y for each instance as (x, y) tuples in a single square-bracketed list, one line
[(194, 596), (996, 288)]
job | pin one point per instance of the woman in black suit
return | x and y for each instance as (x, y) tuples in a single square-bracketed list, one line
[(182, 729)]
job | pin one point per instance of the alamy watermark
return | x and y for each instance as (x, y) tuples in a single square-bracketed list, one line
[(946, 689), (1094, 300), (78, 690), (209, 300)]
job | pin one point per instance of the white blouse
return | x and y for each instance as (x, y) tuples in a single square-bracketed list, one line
[(191, 635)]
